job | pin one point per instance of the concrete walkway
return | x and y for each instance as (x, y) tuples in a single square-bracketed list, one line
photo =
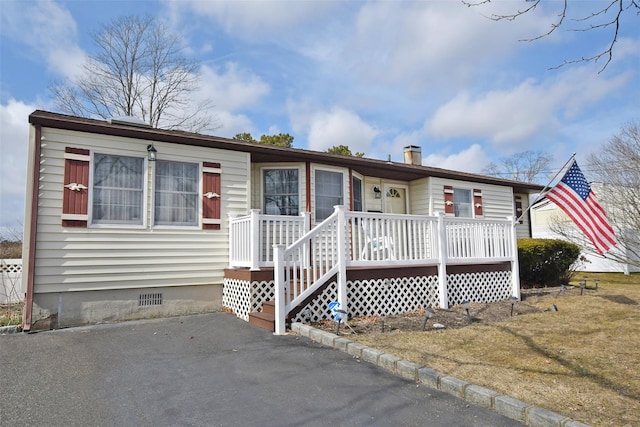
[(208, 370)]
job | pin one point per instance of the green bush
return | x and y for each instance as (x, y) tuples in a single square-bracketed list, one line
[(545, 262)]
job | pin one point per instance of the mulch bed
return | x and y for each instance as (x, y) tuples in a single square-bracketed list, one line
[(453, 318)]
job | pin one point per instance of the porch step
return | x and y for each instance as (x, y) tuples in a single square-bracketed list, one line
[(265, 319)]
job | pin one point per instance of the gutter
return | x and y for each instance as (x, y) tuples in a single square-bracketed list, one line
[(32, 224)]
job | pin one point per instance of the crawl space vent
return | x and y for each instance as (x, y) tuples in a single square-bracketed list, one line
[(145, 300)]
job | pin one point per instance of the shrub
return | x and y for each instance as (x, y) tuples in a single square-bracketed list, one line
[(545, 262)]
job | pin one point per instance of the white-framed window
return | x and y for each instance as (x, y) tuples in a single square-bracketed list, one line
[(329, 191), (462, 203), (117, 190), (176, 193), (280, 191), (357, 193)]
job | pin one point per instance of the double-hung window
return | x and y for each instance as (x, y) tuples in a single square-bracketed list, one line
[(176, 193), (118, 190), (280, 191), (329, 193), (462, 203)]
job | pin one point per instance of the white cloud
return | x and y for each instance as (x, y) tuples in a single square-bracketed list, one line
[(339, 127), (48, 31), (422, 43), (258, 21), (14, 139), (510, 117), (232, 88), (472, 160), (232, 124)]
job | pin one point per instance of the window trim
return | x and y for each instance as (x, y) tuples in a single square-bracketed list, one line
[(145, 190), (264, 168)]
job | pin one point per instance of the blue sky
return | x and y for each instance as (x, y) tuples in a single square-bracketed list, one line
[(373, 75)]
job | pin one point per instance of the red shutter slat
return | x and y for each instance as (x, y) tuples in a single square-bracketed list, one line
[(448, 200), (211, 212), (75, 192), (477, 203)]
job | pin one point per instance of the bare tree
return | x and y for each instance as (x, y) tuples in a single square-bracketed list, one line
[(616, 172), (525, 166), (604, 16), (139, 70)]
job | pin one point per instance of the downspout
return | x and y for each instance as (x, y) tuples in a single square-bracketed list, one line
[(32, 223), (308, 187)]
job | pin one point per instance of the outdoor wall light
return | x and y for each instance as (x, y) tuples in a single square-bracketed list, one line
[(377, 193), (152, 152), (430, 313), (465, 304), (513, 301)]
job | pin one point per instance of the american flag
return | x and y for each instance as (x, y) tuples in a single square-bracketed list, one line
[(574, 196)]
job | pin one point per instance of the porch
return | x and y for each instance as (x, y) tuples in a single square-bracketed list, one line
[(372, 263)]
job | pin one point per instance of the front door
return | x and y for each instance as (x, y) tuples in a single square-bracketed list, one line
[(395, 200)]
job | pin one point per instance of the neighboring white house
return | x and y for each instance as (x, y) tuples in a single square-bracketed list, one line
[(544, 213), (113, 234)]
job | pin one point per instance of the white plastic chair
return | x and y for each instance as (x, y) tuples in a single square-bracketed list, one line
[(379, 247)]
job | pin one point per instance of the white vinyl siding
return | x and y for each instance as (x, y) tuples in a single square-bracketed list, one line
[(497, 201), (523, 231), (82, 259)]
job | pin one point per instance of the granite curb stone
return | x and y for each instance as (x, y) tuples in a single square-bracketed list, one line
[(453, 386), (504, 405), (13, 329)]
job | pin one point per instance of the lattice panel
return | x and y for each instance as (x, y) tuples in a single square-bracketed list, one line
[(261, 292), (378, 297), (317, 309), (479, 287), (236, 295), (383, 297)]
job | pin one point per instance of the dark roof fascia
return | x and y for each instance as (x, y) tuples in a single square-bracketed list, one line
[(269, 153)]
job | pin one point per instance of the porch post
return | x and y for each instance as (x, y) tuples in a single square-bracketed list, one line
[(442, 262), (232, 243), (279, 283), (515, 267), (254, 239), (342, 257)]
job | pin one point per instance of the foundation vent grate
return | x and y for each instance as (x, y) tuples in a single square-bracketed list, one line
[(145, 300)]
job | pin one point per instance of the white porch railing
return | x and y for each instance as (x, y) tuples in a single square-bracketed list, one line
[(304, 262), (252, 237)]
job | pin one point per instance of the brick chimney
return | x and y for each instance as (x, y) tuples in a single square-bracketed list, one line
[(413, 155)]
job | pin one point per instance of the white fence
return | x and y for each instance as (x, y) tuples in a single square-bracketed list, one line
[(11, 281)]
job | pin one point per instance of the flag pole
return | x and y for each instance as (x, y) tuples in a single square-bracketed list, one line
[(543, 192)]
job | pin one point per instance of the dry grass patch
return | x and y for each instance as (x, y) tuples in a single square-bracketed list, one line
[(582, 361), (11, 314)]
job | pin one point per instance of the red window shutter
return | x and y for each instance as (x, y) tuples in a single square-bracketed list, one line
[(211, 219), (477, 203), (448, 200), (518, 203), (75, 192)]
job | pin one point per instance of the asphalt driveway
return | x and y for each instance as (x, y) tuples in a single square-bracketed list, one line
[(208, 370)]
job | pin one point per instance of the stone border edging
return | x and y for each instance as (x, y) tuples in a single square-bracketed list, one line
[(504, 405), (13, 329)]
